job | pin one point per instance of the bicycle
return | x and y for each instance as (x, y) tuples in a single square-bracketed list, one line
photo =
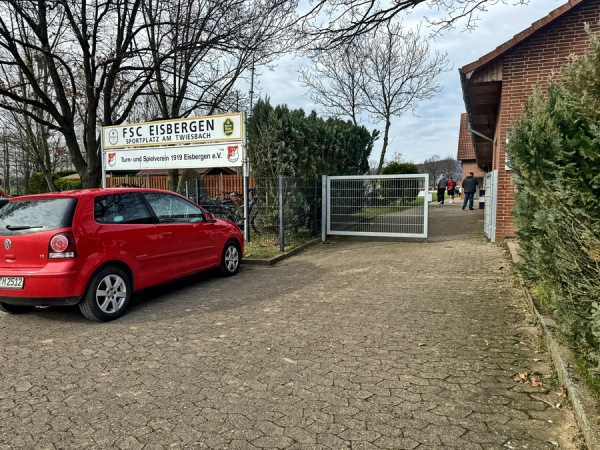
[(218, 208), (233, 198), (233, 209), (253, 209)]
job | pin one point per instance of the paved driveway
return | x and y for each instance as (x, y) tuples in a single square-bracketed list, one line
[(351, 344)]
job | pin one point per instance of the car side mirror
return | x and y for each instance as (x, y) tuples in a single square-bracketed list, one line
[(210, 217)]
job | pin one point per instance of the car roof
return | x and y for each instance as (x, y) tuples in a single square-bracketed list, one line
[(94, 192)]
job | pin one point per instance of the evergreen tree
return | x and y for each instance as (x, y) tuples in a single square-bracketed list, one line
[(554, 150), (288, 142)]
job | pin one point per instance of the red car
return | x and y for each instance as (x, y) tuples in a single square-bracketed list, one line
[(95, 247)]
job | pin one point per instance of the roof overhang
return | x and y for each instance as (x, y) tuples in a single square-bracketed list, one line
[(481, 83), (482, 100)]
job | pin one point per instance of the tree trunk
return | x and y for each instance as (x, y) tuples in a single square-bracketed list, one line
[(386, 135), (173, 179)]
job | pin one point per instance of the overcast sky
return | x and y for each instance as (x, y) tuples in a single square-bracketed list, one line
[(435, 130)]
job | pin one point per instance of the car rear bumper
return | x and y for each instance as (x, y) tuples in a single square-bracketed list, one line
[(40, 301), (56, 284)]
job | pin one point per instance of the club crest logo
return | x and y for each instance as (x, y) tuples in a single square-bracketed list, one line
[(112, 159), (228, 127), (233, 153), (113, 137)]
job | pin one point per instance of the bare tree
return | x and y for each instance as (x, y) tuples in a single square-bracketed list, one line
[(31, 137), (215, 44), (84, 47), (399, 71), (35, 140), (436, 166), (384, 74), (334, 81), (330, 23), (101, 57), (397, 157)]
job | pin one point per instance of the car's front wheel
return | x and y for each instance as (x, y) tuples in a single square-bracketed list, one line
[(107, 295), (230, 259)]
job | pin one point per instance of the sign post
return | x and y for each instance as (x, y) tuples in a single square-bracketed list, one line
[(246, 175)]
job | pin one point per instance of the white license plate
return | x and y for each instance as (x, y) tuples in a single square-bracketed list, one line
[(11, 282)]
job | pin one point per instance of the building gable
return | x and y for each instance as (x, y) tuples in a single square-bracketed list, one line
[(529, 58), (497, 86)]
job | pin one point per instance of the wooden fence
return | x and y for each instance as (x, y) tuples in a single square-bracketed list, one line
[(213, 185)]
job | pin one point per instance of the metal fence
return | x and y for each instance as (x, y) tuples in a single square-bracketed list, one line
[(282, 211), (288, 211), (377, 205), (491, 202)]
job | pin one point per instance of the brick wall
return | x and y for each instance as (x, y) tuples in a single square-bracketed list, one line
[(527, 65), (471, 166)]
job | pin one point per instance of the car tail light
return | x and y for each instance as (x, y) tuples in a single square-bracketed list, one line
[(62, 246)]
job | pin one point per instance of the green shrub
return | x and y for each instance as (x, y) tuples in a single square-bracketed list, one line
[(396, 168), (38, 183), (67, 184), (399, 188), (554, 150)]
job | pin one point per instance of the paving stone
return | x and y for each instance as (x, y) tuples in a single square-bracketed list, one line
[(356, 343), (272, 442), (128, 443), (332, 441), (398, 443), (300, 435)]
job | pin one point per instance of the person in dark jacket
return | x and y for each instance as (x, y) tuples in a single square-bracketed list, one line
[(469, 187)]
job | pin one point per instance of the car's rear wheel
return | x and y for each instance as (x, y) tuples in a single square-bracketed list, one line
[(15, 309), (230, 259), (107, 295)]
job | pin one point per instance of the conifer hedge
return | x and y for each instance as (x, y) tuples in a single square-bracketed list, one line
[(554, 151), (291, 143)]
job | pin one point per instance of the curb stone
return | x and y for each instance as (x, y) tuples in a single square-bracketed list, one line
[(276, 259), (585, 408)]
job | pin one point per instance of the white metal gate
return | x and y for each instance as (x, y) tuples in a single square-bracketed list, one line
[(491, 201), (376, 205)]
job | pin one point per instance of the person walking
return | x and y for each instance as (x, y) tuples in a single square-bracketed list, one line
[(441, 188), (450, 187), (469, 186)]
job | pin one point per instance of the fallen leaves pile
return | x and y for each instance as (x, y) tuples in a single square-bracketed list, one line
[(524, 377)]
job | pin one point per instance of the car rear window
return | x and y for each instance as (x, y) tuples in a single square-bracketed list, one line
[(34, 216)]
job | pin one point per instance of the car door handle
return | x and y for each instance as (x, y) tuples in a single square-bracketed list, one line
[(168, 234)]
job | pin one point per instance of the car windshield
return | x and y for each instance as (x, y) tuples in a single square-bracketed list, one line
[(33, 216)]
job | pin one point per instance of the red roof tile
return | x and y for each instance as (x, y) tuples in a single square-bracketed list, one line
[(466, 151)]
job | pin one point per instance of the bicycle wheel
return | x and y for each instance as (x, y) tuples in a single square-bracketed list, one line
[(253, 215), (231, 217), (226, 212)]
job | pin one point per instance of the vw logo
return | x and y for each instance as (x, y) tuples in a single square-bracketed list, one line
[(7, 244)]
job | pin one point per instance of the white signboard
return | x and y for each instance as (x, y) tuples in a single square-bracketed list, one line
[(188, 156), (193, 130)]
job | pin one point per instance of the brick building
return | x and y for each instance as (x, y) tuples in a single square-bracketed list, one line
[(497, 85), (466, 152)]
